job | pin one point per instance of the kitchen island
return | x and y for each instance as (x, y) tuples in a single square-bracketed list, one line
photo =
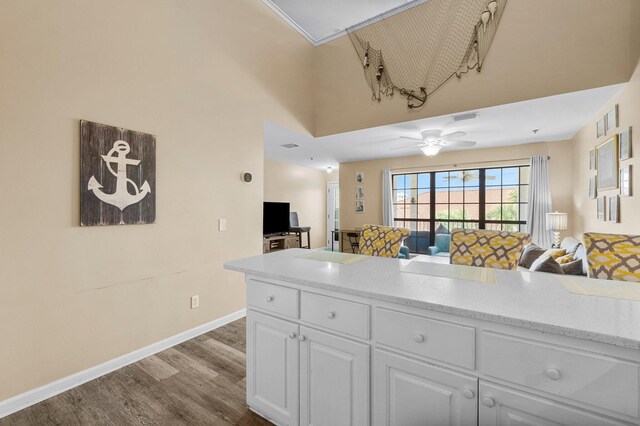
[(393, 342)]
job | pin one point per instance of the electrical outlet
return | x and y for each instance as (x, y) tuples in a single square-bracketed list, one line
[(195, 301), (222, 224)]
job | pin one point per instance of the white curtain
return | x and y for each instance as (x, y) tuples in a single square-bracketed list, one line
[(539, 202), (387, 198)]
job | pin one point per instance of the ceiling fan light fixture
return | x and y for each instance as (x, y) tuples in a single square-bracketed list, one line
[(431, 150)]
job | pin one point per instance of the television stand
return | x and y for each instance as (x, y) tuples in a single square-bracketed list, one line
[(279, 242)]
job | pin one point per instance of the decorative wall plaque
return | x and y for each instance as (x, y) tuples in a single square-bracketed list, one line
[(117, 175)]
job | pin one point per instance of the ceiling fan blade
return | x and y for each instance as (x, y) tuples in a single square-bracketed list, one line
[(459, 144), (406, 146), (413, 139), (454, 135)]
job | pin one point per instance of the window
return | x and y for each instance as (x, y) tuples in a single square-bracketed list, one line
[(432, 203)]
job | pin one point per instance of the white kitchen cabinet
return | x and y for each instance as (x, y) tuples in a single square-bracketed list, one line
[(328, 358), (273, 367), (334, 380), (412, 393), (500, 406)]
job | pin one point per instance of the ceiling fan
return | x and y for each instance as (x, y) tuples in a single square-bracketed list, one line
[(433, 140)]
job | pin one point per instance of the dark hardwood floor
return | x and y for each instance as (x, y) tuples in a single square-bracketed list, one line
[(199, 382)]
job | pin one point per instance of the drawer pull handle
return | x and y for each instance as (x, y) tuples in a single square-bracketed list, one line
[(419, 338), (468, 393), (269, 299), (553, 374), (489, 402), (292, 335), (302, 338), (331, 315)]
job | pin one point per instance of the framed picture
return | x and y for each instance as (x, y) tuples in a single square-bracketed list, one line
[(593, 191), (612, 119), (614, 202), (359, 193), (602, 202), (625, 181), (359, 177), (601, 128), (607, 163), (592, 159), (117, 175), (359, 207), (624, 143)]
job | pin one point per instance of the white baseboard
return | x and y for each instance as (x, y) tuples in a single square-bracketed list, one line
[(26, 399)]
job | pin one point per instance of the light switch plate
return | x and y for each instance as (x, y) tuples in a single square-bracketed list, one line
[(195, 301), (222, 224)]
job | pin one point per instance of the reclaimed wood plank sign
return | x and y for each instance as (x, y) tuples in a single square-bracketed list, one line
[(117, 175)]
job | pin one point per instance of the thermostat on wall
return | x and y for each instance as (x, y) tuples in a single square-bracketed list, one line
[(246, 177)]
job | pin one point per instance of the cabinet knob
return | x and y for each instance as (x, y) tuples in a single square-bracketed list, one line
[(331, 315), (468, 393), (419, 338), (269, 299), (302, 338), (489, 402), (292, 335), (553, 374)]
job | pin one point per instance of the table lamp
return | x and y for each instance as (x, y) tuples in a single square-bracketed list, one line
[(556, 222)]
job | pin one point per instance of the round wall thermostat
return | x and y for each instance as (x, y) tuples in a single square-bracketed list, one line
[(246, 177)]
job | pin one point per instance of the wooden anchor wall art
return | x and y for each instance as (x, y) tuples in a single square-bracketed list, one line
[(117, 175)]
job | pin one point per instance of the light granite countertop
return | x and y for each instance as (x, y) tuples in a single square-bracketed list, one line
[(533, 300)]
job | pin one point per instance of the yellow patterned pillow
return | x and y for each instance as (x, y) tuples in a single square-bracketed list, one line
[(567, 258), (489, 249), (384, 241), (554, 253), (613, 256)]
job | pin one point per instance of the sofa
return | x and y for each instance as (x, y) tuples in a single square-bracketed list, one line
[(570, 258)]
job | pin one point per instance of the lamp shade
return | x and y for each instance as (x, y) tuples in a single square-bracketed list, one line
[(431, 150), (557, 221)]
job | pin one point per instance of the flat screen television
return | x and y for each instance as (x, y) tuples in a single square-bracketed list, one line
[(275, 218)]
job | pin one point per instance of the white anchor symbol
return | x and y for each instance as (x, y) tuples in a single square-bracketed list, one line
[(121, 198)]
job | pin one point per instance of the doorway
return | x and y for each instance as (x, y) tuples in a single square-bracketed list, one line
[(333, 215)]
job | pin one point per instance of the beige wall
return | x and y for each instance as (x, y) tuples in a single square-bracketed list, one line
[(559, 175), (542, 48), (305, 189), (202, 76), (584, 218)]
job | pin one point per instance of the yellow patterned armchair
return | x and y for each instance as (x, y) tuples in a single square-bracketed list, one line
[(384, 241), (613, 256), (488, 249)]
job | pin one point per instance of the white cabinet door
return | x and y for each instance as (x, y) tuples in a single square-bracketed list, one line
[(334, 380), (507, 407), (272, 367), (413, 393)]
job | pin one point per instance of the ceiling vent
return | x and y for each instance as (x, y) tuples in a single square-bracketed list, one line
[(463, 117), (290, 145)]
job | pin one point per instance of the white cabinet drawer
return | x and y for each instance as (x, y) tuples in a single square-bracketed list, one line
[(501, 406), (439, 340), (336, 314), (273, 298), (593, 379)]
